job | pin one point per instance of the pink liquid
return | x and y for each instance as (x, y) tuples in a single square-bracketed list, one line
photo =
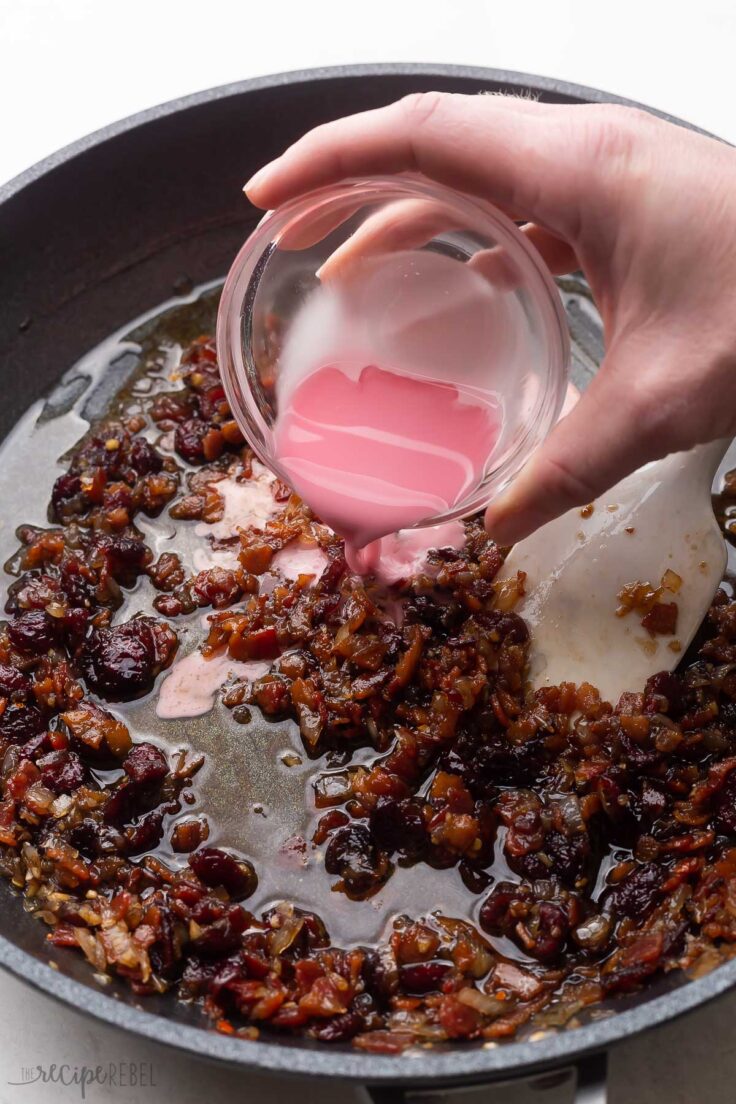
[(373, 451)]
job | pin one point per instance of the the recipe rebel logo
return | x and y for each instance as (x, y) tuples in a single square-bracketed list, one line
[(122, 1075)]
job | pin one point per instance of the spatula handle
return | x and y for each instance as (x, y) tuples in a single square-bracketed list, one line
[(582, 1083)]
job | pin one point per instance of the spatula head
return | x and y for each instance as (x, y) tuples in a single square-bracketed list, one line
[(656, 527)]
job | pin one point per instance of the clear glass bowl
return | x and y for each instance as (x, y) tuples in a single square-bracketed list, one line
[(522, 352)]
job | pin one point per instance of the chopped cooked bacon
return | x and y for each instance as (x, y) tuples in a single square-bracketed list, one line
[(458, 767)]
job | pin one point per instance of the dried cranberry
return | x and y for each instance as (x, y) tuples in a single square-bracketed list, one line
[(123, 804), (188, 439), (123, 661), (638, 756), (143, 457), (540, 926), (212, 402), (664, 694), (488, 759), (353, 856), (202, 356), (508, 627), (145, 763), (33, 590), (61, 771), (216, 867), (399, 826), (381, 975), (33, 632), (93, 839), (619, 807), (75, 582), (339, 1029), (440, 615), (20, 723), (223, 936), (200, 974), (94, 453), (636, 895), (551, 931), (146, 832), (207, 909), (13, 682), (75, 624), (474, 878), (66, 488), (314, 934), (521, 811), (83, 837), (165, 954), (494, 910), (570, 855), (126, 557), (423, 977)]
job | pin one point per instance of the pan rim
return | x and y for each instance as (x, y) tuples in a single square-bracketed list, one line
[(514, 78), (464, 1063)]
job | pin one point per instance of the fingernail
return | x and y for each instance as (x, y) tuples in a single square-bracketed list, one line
[(327, 269), (259, 178)]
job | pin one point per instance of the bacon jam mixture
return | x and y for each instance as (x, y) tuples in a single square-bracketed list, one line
[(599, 839)]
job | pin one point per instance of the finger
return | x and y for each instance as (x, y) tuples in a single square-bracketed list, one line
[(327, 137), (524, 156), (412, 223), (404, 224), (557, 254), (602, 440), (502, 270), (310, 227), (399, 225), (572, 398)]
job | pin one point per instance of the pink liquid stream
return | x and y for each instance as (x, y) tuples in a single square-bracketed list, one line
[(373, 451)]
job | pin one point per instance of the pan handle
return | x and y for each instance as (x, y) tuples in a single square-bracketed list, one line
[(584, 1083)]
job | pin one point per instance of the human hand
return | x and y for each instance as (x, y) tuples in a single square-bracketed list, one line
[(645, 208)]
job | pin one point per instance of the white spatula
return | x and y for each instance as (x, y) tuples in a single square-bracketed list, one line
[(658, 520)]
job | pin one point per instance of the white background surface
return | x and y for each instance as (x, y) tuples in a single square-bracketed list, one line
[(70, 66)]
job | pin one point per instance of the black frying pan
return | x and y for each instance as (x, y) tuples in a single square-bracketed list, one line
[(92, 237)]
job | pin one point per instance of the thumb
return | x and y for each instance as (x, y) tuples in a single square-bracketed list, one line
[(603, 439)]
